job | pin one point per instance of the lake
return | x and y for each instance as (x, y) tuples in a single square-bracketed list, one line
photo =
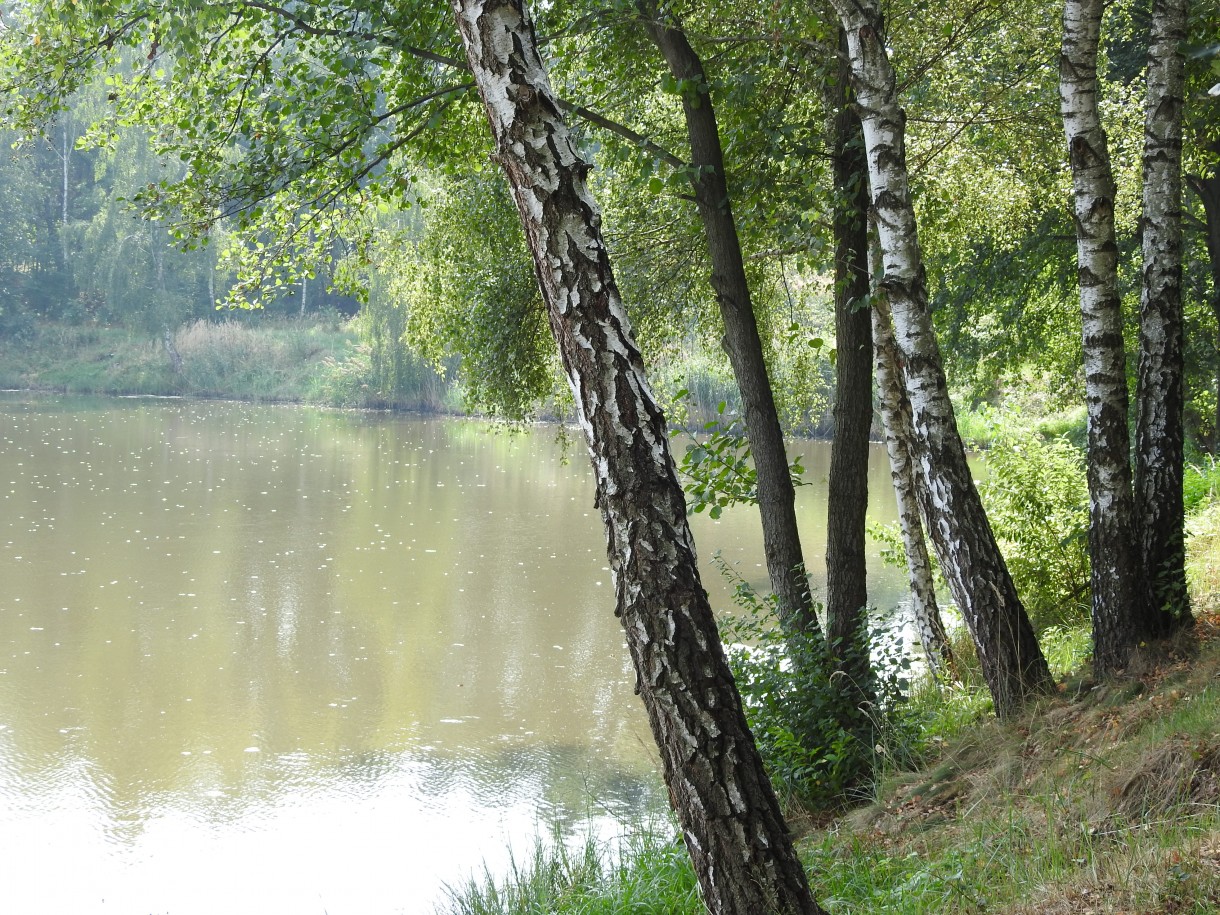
[(273, 660)]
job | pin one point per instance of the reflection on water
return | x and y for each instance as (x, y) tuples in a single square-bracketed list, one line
[(273, 660)]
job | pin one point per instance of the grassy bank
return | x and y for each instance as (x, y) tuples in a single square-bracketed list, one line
[(262, 359), (1102, 800), (319, 360)]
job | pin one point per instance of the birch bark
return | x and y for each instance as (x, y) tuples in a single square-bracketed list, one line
[(1012, 662), (899, 443), (1116, 575), (737, 838), (1160, 435)]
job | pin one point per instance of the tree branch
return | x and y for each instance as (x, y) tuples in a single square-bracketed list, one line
[(623, 131)]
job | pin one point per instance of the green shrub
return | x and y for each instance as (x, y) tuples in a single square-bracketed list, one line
[(717, 470), (820, 747), (1036, 495), (1200, 484)]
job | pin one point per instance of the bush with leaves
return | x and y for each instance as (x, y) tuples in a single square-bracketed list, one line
[(821, 748), (1037, 499)]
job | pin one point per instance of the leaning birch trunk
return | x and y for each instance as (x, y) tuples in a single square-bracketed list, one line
[(776, 494), (978, 578), (899, 435), (738, 841), (1159, 435), (1116, 575)]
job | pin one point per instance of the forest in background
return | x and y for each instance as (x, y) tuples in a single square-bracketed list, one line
[(429, 272)]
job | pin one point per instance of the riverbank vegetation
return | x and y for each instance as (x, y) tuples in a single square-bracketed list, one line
[(320, 360), (1103, 798)]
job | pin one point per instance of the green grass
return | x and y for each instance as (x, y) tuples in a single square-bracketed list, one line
[(1103, 802), (1201, 486), (1203, 555), (648, 872)]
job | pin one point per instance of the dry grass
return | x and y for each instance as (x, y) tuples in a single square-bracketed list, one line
[(1203, 557), (1104, 799)]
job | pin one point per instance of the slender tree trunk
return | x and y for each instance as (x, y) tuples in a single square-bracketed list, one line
[(1118, 605), (159, 259), (847, 498), (1207, 187), (1160, 432), (776, 496), (899, 442), (1012, 662), (66, 157), (740, 846)]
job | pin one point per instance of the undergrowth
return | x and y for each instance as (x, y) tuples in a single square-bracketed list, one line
[(648, 871), (1102, 800)]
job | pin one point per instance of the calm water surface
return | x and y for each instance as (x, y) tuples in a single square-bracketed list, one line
[(277, 660)]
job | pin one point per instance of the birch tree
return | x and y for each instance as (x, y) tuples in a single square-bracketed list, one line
[(1012, 662), (1159, 436), (1116, 573), (1206, 186), (899, 444), (737, 838)]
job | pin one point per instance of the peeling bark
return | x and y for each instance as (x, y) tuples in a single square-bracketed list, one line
[(776, 495), (847, 496), (1160, 431), (1012, 662), (899, 442), (740, 846), (1117, 580)]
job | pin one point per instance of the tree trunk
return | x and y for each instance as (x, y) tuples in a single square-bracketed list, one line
[(740, 846), (1208, 189), (847, 498), (1118, 605), (776, 495), (1160, 433), (1012, 662), (66, 157), (899, 442)]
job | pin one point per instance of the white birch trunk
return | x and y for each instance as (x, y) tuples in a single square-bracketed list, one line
[(1159, 436), (1008, 650), (740, 846), (896, 417), (1116, 576)]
